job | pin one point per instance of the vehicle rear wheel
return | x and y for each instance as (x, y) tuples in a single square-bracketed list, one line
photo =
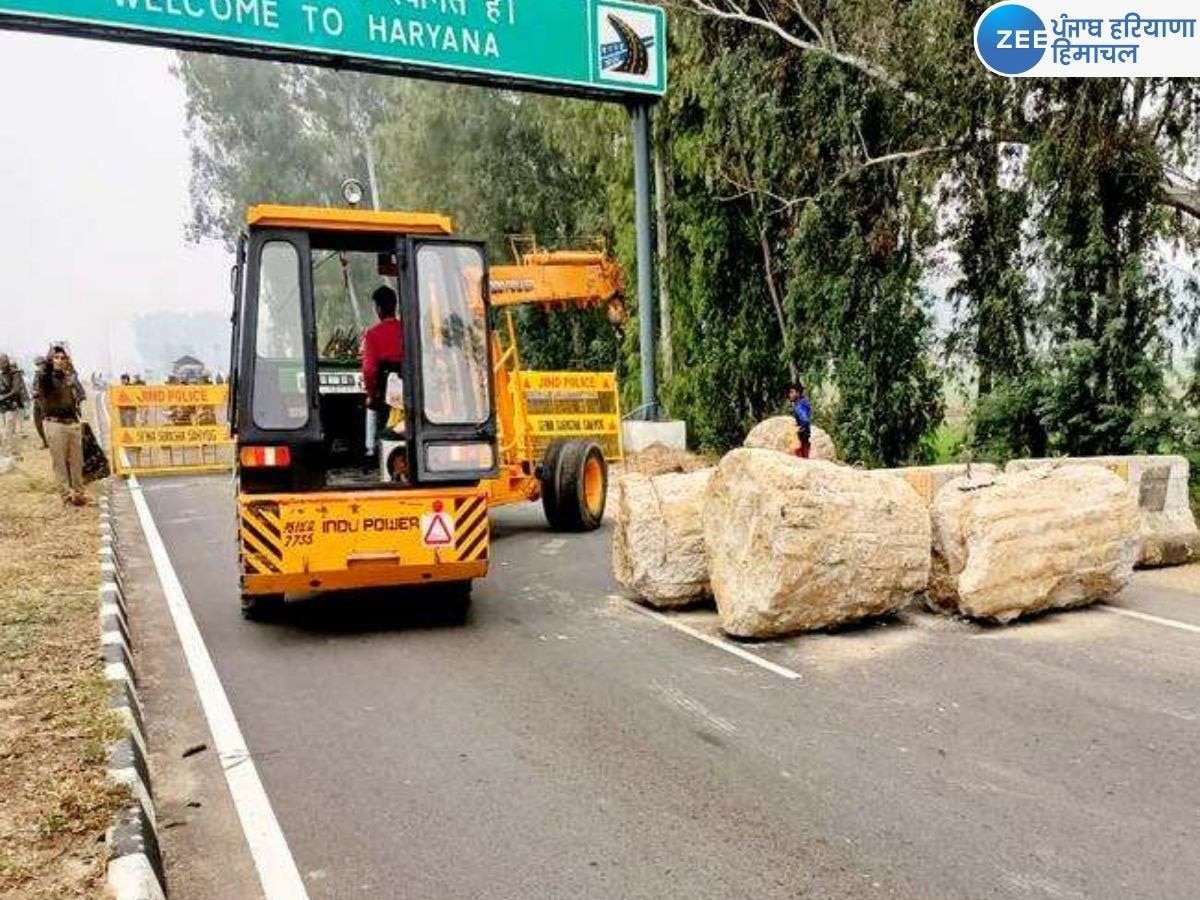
[(457, 599), (580, 487), (261, 607), (548, 476)]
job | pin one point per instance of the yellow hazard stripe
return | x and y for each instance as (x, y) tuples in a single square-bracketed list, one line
[(252, 544), (269, 536), (468, 529), (255, 544), (269, 517), (266, 518), (472, 536), (254, 564)]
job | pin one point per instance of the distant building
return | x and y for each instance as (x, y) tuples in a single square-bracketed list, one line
[(189, 370)]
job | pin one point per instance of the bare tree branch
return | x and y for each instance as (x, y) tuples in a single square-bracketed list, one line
[(1184, 197), (808, 23), (783, 203), (1181, 193), (732, 11), (745, 190)]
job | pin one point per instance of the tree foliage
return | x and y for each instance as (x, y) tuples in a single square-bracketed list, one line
[(503, 166), (842, 176), (266, 132)]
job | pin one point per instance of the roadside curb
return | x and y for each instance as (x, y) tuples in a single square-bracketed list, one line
[(135, 869)]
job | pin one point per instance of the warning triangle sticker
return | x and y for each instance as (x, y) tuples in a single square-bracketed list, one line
[(438, 531)]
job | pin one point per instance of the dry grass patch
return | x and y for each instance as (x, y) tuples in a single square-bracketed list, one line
[(54, 723)]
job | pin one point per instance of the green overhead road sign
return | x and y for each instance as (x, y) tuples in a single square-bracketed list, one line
[(586, 47)]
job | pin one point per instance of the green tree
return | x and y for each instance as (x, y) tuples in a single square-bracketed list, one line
[(499, 164), (828, 162), (815, 241), (271, 133), (1107, 302)]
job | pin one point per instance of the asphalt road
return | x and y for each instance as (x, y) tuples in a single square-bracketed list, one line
[(559, 744)]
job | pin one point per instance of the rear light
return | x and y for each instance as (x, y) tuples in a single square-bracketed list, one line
[(265, 457), (459, 457)]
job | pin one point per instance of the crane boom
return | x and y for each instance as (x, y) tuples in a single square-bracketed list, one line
[(551, 278)]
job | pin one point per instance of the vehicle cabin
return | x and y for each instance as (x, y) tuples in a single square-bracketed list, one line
[(341, 490)]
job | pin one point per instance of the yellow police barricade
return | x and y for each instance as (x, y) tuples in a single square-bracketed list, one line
[(560, 405), (158, 429)]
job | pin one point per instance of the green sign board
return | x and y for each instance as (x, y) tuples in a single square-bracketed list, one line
[(586, 47)]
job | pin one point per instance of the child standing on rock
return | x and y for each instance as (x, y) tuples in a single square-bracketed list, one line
[(802, 412)]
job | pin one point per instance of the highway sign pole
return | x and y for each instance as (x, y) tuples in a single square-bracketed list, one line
[(639, 114)]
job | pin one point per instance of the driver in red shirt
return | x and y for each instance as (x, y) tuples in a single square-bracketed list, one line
[(382, 343)]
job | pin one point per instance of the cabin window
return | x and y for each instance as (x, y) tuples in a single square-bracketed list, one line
[(280, 395)]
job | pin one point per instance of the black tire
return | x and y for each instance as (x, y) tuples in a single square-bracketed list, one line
[(548, 476), (581, 487), (456, 600), (261, 607)]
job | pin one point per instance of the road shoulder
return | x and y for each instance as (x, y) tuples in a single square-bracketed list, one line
[(197, 821)]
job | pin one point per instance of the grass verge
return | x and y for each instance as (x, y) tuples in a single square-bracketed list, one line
[(54, 723)]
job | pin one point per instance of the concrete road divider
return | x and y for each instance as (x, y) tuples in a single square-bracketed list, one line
[(928, 480), (135, 869), (798, 545), (1051, 538), (658, 537), (1169, 536)]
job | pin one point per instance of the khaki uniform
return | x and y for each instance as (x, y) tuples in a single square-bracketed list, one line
[(58, 395), (12, 401)]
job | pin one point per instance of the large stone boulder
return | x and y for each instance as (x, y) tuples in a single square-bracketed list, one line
[(796, 545), (658, 537), (1030, 542), (928, 480), (779, 433), (1168, 527)]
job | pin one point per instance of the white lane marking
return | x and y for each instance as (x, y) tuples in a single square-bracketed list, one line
[(1146, 617), (276, 868), (714, 642)]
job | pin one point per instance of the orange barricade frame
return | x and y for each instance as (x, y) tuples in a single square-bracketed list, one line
[(159, 429), (572, 405)]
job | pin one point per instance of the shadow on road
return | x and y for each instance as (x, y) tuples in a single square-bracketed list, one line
[(368, 611), (512, 527)]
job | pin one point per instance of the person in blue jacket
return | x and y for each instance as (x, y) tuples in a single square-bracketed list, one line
[(802, 413)]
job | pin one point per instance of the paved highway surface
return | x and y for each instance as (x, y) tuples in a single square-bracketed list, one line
[(560, 744)]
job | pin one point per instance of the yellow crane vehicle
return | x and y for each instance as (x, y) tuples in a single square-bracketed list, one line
[(335, 496)]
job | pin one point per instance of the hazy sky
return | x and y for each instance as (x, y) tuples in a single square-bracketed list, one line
[(94, 179)]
